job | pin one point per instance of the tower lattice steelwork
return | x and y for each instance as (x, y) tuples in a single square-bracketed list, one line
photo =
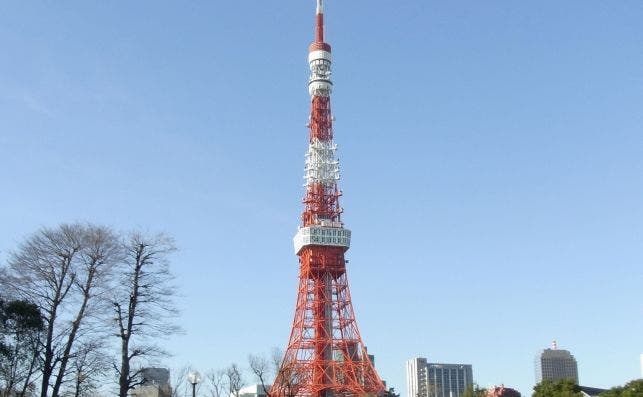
[(325, 356)]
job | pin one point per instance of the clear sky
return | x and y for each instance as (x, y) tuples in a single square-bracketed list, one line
[(491, 154)]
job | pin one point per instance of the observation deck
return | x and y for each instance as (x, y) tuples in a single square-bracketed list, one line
[(322, 236)]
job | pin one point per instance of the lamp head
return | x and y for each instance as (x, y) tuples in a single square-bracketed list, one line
[(194, 377)]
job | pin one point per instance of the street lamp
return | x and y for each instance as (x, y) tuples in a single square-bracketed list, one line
[(194, 378)]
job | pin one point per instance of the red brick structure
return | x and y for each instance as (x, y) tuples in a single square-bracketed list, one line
[(502, 391)]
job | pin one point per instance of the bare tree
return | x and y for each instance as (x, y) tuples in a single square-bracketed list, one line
[(143, 305), (179, 381), (289, 380), (262, 369), (61, 270), (276, 356), (234, 379), (288, 375), (98, 254), (216, 383), (89, 365)]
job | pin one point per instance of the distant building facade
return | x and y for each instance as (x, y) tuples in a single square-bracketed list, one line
[(156, 383), (502, 391), (252, 391), (424, 379), (155, 376), (555, 364), (150, 391)]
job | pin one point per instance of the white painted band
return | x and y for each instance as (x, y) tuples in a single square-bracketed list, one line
[(319, 54)]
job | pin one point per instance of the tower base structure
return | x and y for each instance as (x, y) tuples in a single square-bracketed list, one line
[(325, 356)]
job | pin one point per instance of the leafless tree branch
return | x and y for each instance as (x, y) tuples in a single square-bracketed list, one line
[(142, 303)]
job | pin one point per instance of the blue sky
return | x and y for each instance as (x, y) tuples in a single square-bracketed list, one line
[(491, 154)]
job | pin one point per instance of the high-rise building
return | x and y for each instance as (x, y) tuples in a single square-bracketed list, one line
[(555, 364), (415, 377), (325, 356), (424, 379)]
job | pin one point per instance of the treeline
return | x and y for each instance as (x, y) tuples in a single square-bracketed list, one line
[(81, 303), (568, 388), (228, 382)]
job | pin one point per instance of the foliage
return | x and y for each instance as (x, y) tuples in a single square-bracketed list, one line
[(559, 388), (474, 391), (631, 389), (391, 393), (21, 327)]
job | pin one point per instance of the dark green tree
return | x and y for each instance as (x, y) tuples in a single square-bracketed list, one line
[(391, 393), (558, 388), (631, 389), (21, 328), (474, 391)]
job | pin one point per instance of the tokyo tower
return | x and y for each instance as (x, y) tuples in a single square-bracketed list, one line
[(325, 356)]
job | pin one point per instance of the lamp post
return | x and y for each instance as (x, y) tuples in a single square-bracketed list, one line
[(194, 378)]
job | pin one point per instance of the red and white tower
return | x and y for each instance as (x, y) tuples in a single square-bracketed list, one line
[(325, 356)]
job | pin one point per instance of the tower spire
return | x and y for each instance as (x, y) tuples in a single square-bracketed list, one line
[(319, 25)]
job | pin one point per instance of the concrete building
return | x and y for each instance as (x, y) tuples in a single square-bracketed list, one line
[(155, 376), (252, 391), (150, 391), (415, 377), (156, 383), (555, 364), (424, 379)]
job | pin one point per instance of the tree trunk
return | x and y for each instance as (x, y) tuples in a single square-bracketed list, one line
[(32, 366), (60, 293), (47, 368), (126, 333), (72, 333), (123, 381)]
